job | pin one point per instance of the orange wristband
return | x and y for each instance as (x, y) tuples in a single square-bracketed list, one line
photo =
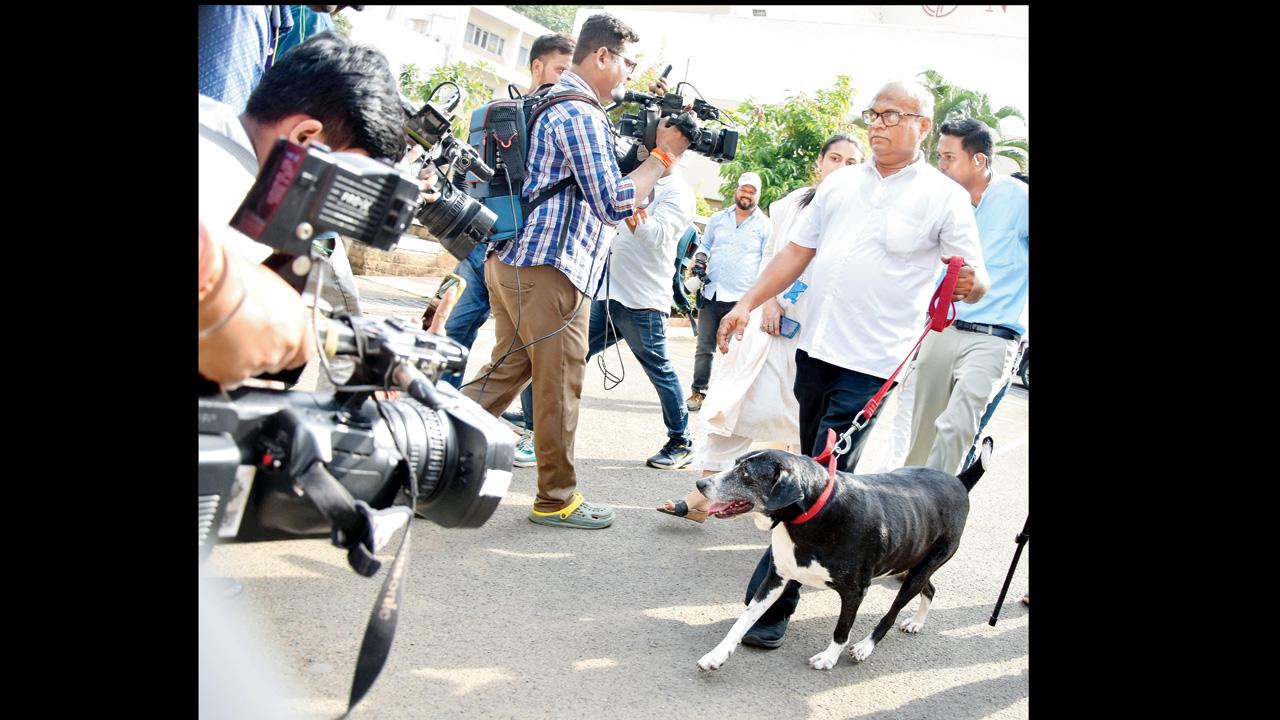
[(663, 156)]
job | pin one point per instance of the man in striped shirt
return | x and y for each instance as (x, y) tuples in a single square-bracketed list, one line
[(539, 282)]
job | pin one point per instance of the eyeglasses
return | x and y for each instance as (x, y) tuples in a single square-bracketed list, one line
[(890, 117), (631, 64)]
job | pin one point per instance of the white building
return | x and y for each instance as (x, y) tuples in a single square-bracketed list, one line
[(431, 35), (770, 52)]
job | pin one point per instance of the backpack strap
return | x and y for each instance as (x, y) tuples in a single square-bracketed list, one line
[(545, 102)]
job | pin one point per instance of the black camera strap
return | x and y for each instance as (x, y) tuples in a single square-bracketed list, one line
[(361, 530), (381, 628)]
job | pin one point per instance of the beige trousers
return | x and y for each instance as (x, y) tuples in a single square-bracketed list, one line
[(957, 375), (546, 300)]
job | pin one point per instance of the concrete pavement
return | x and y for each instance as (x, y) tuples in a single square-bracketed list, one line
[(516, 620)]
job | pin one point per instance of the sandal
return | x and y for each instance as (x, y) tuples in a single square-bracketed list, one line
[(577, 514), (682, 510)]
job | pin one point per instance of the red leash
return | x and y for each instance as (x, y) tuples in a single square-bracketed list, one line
[(941, 314)]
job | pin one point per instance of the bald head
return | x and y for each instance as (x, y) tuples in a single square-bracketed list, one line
[(911, 93), (899, 118)]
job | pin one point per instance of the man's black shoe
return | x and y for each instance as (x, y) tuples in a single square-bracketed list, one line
[(515, 418), (767, 636), (674, 455)]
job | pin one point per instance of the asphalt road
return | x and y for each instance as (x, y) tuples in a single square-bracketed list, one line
[(516, 620)]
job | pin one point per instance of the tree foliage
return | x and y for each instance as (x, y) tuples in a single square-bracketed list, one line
[(782, 141), (341, 25), (557, 18), (952, 102), (466, 75)]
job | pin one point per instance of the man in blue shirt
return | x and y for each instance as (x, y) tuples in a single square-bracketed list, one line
[(962, 368), (234, 47), (733, 248), (539, 282)]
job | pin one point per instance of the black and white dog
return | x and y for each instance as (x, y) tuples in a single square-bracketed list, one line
[(870, 526)]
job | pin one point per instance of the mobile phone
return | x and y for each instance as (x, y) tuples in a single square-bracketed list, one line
[(788, 327), (429, 314)]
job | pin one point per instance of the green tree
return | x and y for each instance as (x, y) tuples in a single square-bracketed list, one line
[(467, 76), (702, 207), (952, 102), (557, 18), (781, 141)]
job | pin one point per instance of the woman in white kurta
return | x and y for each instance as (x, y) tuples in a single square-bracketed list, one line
[(751, 399)]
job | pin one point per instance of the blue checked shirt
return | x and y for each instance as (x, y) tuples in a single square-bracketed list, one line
[(568, 231)]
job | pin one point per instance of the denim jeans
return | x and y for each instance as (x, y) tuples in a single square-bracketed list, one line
[(472, 309), (646, 334), (991, 410)]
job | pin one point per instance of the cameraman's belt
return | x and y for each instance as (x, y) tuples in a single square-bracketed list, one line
[(984, 329)]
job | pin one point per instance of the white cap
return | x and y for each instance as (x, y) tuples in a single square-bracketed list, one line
[(752, 179)]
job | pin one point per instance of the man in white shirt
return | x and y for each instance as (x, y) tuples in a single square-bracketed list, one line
[(875, 235), (633, 303)]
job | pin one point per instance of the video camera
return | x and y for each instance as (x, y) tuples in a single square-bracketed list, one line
[(717, 145), (455, 220), (358, 463), (277, 463)]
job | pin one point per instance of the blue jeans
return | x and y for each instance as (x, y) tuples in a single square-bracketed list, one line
[(646, 334), (991, 410), (472, 309)]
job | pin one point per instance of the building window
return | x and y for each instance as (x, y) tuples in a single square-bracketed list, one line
[(484, 39), (758, 12), (524, 58)]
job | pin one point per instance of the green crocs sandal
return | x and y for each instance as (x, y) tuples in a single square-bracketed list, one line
[(577, 514)]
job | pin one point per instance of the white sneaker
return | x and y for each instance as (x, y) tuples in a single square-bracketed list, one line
[(524, 456)]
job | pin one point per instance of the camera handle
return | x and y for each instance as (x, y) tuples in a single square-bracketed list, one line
[(357, 527)]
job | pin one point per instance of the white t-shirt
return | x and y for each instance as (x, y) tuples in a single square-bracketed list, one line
[(225, 176), (642, 263), (879, 241)]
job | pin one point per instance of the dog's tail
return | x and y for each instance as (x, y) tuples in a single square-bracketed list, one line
[(973, 473)]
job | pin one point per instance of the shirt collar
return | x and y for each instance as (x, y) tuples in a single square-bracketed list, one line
[(569, 79), (911, 167)]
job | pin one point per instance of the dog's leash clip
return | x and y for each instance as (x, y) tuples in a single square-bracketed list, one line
[(846, 440)]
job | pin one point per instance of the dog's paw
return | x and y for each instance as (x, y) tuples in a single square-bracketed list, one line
[(910, 626), (714, 659), (826, 659), (862, 650)]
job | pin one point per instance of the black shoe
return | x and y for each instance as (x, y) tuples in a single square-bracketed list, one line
[(674, 455), (767, 636), (515, 418)]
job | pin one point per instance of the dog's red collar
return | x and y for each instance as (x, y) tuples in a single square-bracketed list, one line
[(830, 458)]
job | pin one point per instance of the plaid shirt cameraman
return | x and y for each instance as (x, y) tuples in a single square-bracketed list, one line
[(539, 283)]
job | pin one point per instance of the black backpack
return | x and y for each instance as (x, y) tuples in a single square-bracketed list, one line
[(500, 134)]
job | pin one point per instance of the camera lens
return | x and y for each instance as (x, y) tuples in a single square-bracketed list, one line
[(457, 220)]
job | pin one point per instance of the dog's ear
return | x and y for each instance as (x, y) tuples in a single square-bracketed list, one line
[(786, 491)]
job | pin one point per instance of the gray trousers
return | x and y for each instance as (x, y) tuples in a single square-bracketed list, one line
[(710, 313), (957, 374)]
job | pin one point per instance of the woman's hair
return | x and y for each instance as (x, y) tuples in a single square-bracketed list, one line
[(838, 137)]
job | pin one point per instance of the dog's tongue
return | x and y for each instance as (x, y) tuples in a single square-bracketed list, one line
[(718, 507)]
